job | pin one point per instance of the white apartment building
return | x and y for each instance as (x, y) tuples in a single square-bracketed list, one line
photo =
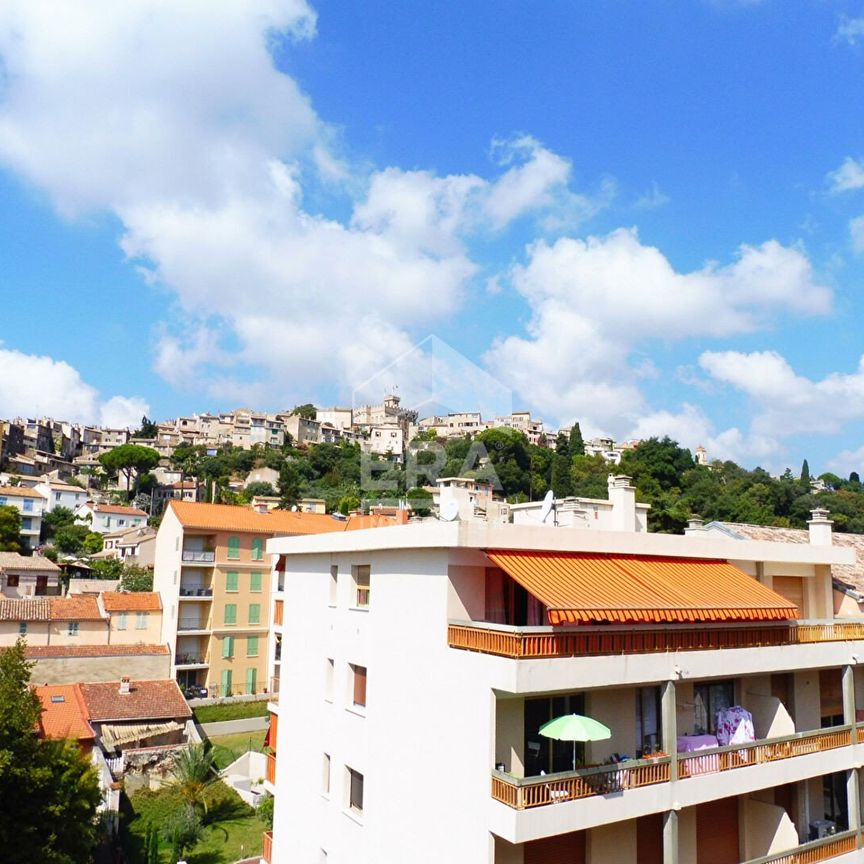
[(59, 494), (30, 503), (417, 664), (105, 518)]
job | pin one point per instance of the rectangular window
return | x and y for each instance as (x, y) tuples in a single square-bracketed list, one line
[(329, 676), (334, 584), (252, 646), (234, 548), (141, 621), (13, 580), (230, 613), (225, 683), (227, 647), (361, 585), (355, 790), (121, 621), (257, 549), (27, 523), (358, 674), (28, 505), (251, 680), (73, 628), (255, 582), (22, 628), (325, 775), (254, 613), (232, 581), (59, 495)]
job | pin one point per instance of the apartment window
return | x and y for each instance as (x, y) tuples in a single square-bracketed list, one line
[(329, 677), (59, 495), (251, 680), (358, 686), (225, 684), (254, 613), (325, 775), (141, 620), (355, 790), (28, 505), (121, 621), (334, 584), (361, 585), (13, 580), (230, 613), (227, 647), (257, 549), (73, 628), (232, 581), (255, 582), (3, 501), (22, 628), (252, 646), (26, 523), (233, 547)]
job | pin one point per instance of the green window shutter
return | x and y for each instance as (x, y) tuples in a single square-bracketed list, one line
[(252, 646), (228, 647), (251, 680), (232, 581), (255, 581), (234, 547), (230, 613), (254, 613), (226, 683), (257, 549)]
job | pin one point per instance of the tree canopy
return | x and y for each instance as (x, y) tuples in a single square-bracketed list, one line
[(10, 529), (130, 460)]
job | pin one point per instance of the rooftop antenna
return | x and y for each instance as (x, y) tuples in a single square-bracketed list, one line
[(548, 507)]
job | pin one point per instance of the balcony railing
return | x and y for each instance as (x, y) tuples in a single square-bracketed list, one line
[(546, 642), (191, 660), (817, 850), (192, 557), (267, 849), (192, 624), (186, 591)]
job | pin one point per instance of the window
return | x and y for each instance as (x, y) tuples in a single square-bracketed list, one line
[(358, 677), (227, 647), (73, 628), (355, 790), (225, 683), (325, 775), (22, 628), (255, 581), (141, 620), (329, 675), (234, 548), (254, 613), (3, 501), (26, 523), (58, 496), (251, 680), (361, 585), (252, 646), (334, 584), (28, 505), (121, 521), (257, 549), (230, 613), (13, 580), (121, 621), (232, 581)]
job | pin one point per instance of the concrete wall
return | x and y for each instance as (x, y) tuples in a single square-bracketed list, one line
[(467, 593), (71, 670), (613, 843), (765, 829), (507, 853), (510, 735), (808, 714), (617, 710), (846, 606)]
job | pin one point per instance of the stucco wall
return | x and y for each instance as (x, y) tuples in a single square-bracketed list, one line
[(510, 735), (37, 632), (151, 634), (613, 843), (765, 829), (89, 633), (617, 710)]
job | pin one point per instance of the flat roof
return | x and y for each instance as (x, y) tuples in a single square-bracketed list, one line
[(481, 535)]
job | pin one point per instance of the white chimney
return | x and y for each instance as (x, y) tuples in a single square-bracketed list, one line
[(820, 527), (695, 526), (622, 497), (124, 686)]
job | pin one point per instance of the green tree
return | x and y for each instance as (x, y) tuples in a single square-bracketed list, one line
[(57, 518), (264, 811), (307, 411), (129, 460), (70, 539), (805, 474), (49, 791), (148, 429), (577, 444), (93, 543), (194, 772), (183, 830), (107, 568), (420, 501), (136, 578), (259, 487), (290, 483), (10, 529)]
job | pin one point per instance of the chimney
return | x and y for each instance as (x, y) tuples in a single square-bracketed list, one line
[(695, 525), (124, 686), (622, 497), (820, 527)]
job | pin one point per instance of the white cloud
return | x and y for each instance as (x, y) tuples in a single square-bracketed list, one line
[(34, 385), (849, 176), (653, 199), (847, 461), (850, 30), (856, 231), (594, 301)]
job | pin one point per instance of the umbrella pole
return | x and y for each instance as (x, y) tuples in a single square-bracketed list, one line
[(574, 755)]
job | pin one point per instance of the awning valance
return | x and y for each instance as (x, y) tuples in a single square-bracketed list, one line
[(580, 587), (112, 735)]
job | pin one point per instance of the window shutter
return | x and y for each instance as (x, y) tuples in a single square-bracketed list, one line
[(230, 613), (257, 549), (228, 647), (233, 547), (359, 685), (226, 682), (251, 679), (232, 581), (252, 646), (255, 581), (254, 613)]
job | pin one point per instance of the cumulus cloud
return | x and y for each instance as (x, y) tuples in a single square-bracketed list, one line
[(653, 199), (849, 176), (35, 385), (850, 30), (595, 301), (856, 232)]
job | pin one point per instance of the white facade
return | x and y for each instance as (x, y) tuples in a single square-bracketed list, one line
[(30, 503), (62, 495), (105, 518)]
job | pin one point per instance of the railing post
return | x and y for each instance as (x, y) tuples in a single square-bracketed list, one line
[(670, 837), (848, 684), (669, 721)]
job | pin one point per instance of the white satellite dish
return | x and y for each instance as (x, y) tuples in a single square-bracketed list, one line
[(548, 506), (449, 510), (294, 508)]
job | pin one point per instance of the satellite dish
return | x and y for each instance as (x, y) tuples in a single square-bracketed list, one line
[(548, 506), (449, 510), (294, 508)]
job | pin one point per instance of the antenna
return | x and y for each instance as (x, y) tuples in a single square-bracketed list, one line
[(548, 506), (449, 510)]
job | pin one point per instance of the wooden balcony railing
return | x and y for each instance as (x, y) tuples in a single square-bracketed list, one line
[(818, 850), (710, 761), (277, 612), (546, 642), (270, 773), (523, 793), (267, 849)]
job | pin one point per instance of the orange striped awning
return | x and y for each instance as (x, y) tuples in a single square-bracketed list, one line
[(584, 587)]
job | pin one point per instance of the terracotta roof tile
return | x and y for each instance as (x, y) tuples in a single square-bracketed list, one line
[(79, 607), (131, 601), (36, 652), (14, 561), (20, 492), (147, 700), (27, 609), (228, 517), (64, 714), (116, 509)]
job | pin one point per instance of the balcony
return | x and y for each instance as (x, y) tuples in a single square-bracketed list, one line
[(274, 689), (278, 608), (194, 592), (187, 624), (818, 850), (267, 848), (191, 660), (191, 556)]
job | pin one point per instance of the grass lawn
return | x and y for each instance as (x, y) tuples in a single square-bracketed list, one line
[(226, 748), (230, 711), (232, 831)]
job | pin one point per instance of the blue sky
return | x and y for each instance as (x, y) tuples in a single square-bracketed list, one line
[(638, 214)]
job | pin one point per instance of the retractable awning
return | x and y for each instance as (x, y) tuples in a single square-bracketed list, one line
[(112, 735), (579, 588)]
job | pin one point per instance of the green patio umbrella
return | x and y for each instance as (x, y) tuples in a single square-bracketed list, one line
[(575, 727)]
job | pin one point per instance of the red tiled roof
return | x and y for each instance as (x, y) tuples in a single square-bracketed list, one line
[(79, 607), (20, 492), (64, 714), (131, 601), (27, 609), (116, 509), (147, 700), (36, 652)]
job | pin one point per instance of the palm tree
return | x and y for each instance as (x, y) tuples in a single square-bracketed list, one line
[(194, 771)]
